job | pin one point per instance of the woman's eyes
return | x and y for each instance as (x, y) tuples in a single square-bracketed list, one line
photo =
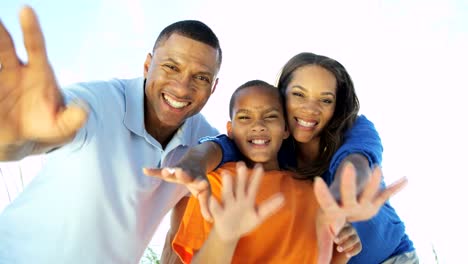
[(298, 94)]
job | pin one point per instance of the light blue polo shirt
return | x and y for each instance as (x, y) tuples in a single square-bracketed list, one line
[(91, 203)]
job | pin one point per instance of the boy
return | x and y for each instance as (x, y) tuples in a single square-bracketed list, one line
[(258, 128)]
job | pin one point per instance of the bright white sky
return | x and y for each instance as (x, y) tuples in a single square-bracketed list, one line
[(407, 59)]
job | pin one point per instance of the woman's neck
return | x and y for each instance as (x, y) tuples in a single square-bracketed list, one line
[(307, 152)]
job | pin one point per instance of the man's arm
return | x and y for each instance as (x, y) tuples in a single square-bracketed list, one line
[(168, 256), (34, 118)]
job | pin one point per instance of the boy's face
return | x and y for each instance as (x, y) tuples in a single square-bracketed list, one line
[(258, 126)]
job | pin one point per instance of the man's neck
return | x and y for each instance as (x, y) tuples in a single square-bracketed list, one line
[(163, 134)]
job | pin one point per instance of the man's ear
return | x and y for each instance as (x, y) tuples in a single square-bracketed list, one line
[(229, 129), (147, 64), (214, 86)]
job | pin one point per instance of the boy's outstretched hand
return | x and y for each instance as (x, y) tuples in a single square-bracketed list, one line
[(332, 215), (238, 215)]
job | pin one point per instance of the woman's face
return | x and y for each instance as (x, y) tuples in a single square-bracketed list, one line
[(310, 102)]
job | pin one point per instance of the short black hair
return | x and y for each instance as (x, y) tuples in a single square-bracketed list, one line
[(257, 83), (192, 29)]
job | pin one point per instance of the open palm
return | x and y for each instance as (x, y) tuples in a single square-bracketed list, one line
[(238, 215), (31, 105), (333, 215)]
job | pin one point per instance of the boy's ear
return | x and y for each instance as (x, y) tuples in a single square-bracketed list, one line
[(229, 129), (286, 133)]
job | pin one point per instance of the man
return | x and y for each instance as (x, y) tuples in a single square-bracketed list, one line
[(91, 203)]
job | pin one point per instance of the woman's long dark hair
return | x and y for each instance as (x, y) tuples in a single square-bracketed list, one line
[(346, 109)]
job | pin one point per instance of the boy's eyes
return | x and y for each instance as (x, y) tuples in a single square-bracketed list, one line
[(270, 117)]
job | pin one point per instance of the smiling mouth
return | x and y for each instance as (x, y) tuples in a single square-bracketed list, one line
[(305, 123), (174, 103), (259, 142)]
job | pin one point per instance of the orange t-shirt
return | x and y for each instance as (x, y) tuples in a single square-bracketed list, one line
[(288, 236)]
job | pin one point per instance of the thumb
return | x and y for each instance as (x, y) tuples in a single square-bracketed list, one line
[(71, 119), (324, 240)]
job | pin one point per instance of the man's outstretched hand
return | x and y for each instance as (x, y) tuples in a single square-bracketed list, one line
[(31, 105), (198, 185)]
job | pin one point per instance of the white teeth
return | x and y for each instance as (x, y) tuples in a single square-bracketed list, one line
[(259, 141), (174, 103), (305, 123)]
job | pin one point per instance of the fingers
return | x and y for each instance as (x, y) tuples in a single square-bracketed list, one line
[(348, 185), (204, 198), (175, 175), (257, 175), (348, 241), (270, 206), (33, 37), (372, 187), (70, 120), (391, 190), (8, 57), (345, 232), (227, 190), (215, 208), (241, 181), (324, 197), (166, 174)]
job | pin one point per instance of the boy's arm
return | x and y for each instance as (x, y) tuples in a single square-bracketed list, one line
[(215, 250), (168, 256)]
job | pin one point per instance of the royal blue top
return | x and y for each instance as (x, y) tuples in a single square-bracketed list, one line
[(383, 236)]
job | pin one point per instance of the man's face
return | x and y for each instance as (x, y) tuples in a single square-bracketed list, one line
[(258, 126), (180, 77)]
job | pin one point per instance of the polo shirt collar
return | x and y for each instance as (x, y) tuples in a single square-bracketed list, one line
[(134, 118)]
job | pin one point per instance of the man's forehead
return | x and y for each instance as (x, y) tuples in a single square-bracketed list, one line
[(183, 49)]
